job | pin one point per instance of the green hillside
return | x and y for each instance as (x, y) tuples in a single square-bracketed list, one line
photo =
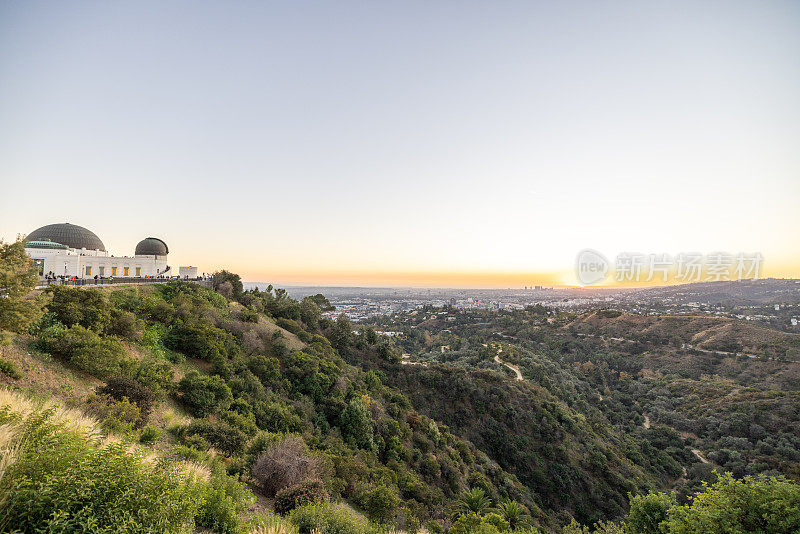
[(178, 407)]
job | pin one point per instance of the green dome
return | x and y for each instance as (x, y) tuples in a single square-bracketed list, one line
[(45, 243)]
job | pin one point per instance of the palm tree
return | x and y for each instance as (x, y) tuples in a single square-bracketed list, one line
[(515, 513), (474, 500)]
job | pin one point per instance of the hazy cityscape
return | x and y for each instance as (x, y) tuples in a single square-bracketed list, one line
[(774, 302)]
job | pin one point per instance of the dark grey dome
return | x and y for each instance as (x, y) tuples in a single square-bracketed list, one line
[(72, 235), (152, 246)]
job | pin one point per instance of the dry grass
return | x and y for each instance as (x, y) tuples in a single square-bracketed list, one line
[(70, 418), (272, 529), (9, 446), (267, 522), (266, 329), (75, 420), (168, 414), (43, 374), (195, 471)]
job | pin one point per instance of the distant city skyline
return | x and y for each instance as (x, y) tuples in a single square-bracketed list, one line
[(408, 144)]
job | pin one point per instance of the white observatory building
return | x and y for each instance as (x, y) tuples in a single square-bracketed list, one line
[(70, 250)]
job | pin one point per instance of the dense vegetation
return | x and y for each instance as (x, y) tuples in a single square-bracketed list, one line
[(200, 398), (739, 413)]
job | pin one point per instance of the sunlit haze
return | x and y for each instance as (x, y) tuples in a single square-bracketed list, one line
[(411, 143)]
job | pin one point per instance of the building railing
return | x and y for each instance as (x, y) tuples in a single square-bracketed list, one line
[(128, 280)]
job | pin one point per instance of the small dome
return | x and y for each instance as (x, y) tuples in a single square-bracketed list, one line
[(71, 235), (152, 246)]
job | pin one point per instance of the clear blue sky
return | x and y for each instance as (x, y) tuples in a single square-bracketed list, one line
[(299, 141)]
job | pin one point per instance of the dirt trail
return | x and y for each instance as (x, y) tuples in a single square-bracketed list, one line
[(512, 367), (696, 452), (404, 360)]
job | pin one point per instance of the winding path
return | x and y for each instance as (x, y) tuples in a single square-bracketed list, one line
[(699, 455), (512, 367), (696, 452)]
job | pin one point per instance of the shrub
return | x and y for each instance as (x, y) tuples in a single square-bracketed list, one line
[(149, 434), (203, 394), (329, 518), (121, 387), (247, 315), (380, 503), (224, 499), (153, 338), (601, 527), (497, 522), (221, 435), (191, 454), (258, 445), (234, 288), (202, 341), (434, 527), (472, 523), (10, 369), (123, 324), (117, 415), (156, 375), (45, 321), (65, 481), (301, 494), (266, 368), (770, 504), (609, 314), (285, 463), (86, 350), (240, 415), (277, 417), (88, 308), (648, 511)]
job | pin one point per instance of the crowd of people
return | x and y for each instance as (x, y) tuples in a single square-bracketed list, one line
[(51, 278)]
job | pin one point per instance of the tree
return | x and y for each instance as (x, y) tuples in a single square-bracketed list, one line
[(341, 334), (221, 277), (18, 277), (380, 503), (515, 514), (602, 527), (356, 425), (320, 300), (740, 505), (474, 500), (309, 313), (649, 511)]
